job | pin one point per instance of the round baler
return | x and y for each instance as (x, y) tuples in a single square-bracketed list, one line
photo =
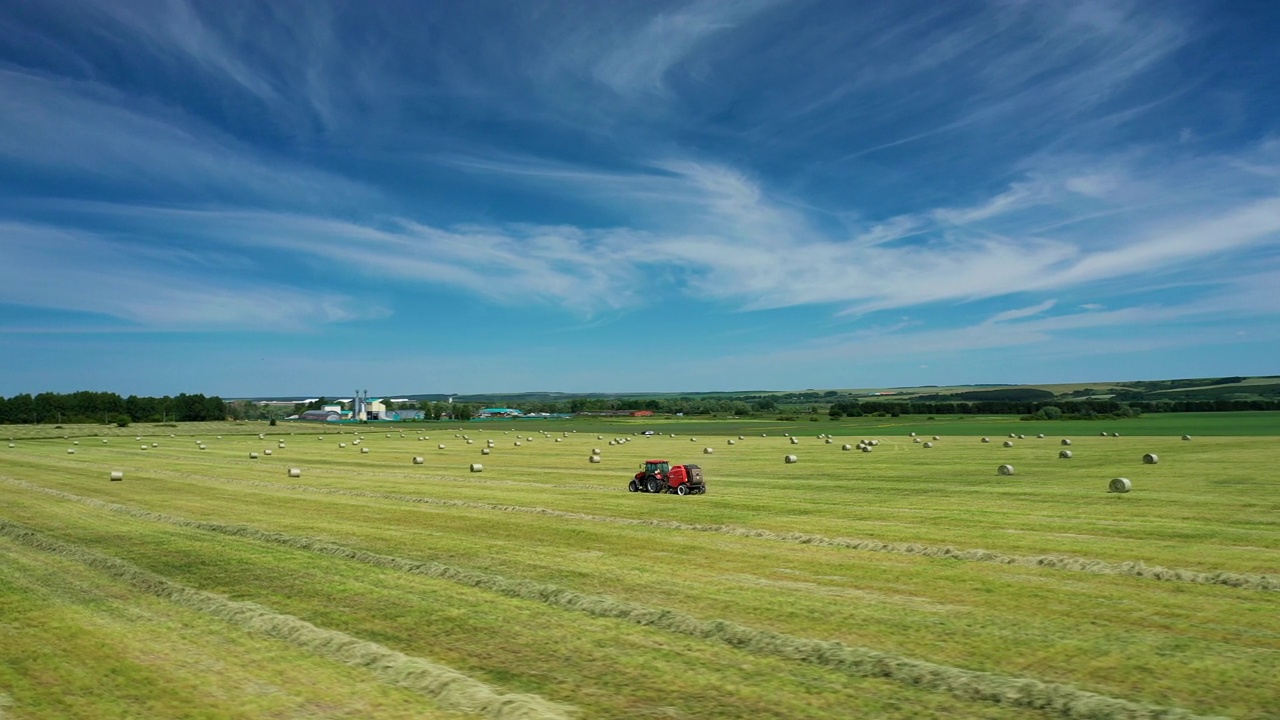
[(659, 476)]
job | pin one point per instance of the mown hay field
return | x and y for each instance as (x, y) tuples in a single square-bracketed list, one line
[(905, 582)]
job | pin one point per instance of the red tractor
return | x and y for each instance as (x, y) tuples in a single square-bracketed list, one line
[(657, 476)]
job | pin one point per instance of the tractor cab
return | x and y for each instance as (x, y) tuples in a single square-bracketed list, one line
[(655, 467)]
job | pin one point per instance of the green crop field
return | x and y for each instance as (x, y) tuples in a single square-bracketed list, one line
[(904, 582)]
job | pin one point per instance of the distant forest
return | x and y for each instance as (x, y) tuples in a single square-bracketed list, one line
[(1127, 400)]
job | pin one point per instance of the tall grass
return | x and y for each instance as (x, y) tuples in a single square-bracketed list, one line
[(1056, 698), (449, 688)]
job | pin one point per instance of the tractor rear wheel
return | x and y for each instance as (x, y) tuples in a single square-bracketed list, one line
[(633, 486), (682, 490), (653, 485)]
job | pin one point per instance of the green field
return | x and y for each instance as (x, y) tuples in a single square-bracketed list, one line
[(901, 583)]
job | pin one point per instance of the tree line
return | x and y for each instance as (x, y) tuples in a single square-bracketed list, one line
[(103, 407)]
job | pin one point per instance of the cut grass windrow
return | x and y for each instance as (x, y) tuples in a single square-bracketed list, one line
[(1138, 569), (447, 687), (1056, 698)]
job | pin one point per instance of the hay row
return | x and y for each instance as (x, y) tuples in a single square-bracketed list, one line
[(1138, 569), (1058, 698), (447, 687)]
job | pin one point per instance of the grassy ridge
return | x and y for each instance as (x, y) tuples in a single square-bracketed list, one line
[(1207, 507)]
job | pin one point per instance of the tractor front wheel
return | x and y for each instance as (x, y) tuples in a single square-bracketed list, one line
[(654, 486), (682, 490), (633, 486)]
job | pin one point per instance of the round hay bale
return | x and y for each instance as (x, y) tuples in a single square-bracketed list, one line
[(795, 441), (295, 472), (744, 437), (846, 446), (1184, 437), (594, 459), (1008, 443), (485, 451), (1013, 436), (790, 459), (517, 443), (986, 440), (911, 434), (1064, 454), (253, 456), (137, 438), (935, 437), (440, 446), (1005, 470), (557, 440), (1119, 485), (364, 450), (915, 439), (707, 451), (155, 445), (866, 448), (12, 445), (418, 459), (599, 437), (1040, 436), (144, 447), (828, 441), (1150, 459), (261, 436), (613, 442), (202, 447), (266, 452), (104, 441), (732, 441), (1022, 437), (874, 443), (928, 444), (1102, 434), (477, 467), (693, 439), (75, 442), (280, 444), (1066, 441), (1115, 434), (764, 434), (117, 475), (71, 451), (342, 445), (786, 434)]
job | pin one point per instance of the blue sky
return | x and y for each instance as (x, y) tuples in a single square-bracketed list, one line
[(307, 197)]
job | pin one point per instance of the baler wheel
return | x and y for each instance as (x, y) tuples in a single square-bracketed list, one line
[(682, 490)]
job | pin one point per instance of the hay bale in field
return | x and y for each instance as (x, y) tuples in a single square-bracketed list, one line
[(928, 444), (1008, 443), (71, 451), (1013, 436), (12, 445), (1064, 454), (693, 439), (1184, 437), (866, 448), (1115, 434), (1040, 436), (986, 440), (295, 472), (485, 451), (1005, 470), (731, 441), (262, 436), (846, 446), (202, 447), (253, 456), (594, 459), (1066, 441), (828, 441), (915, 439), (595, 451), (707, 451), (613, 442), (104, 441), (1022, 437), (935, 437), (144, 447), (744, 437), (342, 445), (1150, 459), (517, 443), (440, 446), (155, 445), (364, 449), (790, 459), (267, 452), (874, 443), (764, 434), (136, 438), (795, 441), (418, 459), (75, 442), (911, 434), (477, 467), (117, 475), (1119, 485), (1102, 434)]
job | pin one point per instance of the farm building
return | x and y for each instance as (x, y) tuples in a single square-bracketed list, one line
[(500, 412)]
